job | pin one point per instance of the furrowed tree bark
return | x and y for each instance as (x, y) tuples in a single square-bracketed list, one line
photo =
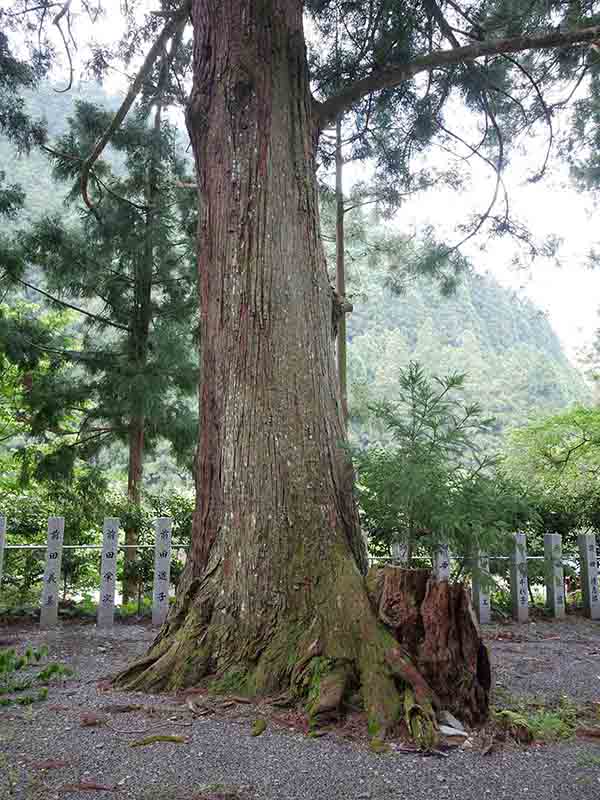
[(273, 596)]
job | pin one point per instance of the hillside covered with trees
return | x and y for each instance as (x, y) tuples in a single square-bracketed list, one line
[(515, 364)]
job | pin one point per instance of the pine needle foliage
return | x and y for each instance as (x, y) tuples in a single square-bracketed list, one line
[(125, 275), (433, 484)]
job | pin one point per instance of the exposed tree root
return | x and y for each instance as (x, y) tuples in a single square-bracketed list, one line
[(433, 660), (403, 668), (420, 721)]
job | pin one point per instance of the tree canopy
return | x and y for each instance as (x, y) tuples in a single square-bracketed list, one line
[(395, 71)]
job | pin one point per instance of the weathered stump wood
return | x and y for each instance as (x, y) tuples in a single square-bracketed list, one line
[(436, 627)]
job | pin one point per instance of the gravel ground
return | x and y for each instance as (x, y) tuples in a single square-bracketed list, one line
[(548, 658), (281, 764)]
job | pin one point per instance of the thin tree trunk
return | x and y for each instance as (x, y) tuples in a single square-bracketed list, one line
[(135, 473), (340, 268), (410, 545), (273, 596), (138, 356)]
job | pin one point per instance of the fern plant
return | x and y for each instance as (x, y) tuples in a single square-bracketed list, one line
[(13, 666)]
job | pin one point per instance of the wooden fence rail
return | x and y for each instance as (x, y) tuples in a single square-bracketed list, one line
[(481, 579)]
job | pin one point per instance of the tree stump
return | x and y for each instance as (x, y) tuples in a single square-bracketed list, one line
[(435, 626)]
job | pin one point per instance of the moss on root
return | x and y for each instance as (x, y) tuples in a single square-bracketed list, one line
[(321, 652), (379, 746), (258, 726), (420, 721), (234, 681)]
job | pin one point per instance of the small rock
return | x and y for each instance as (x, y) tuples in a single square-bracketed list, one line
[(446, 730), (449, 719)]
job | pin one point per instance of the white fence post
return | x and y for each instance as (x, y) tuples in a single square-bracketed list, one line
[(108, 569), (399, 552), (162, 569), (481, 593), (589, 574), (2, 543), (49, 609), (441, 563), (518, 579), (554, 574)]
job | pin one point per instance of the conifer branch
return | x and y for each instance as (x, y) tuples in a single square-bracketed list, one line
[(171, 27), (436, 13), (78, 442), (96, 317), (546, 111), (102, 184), (31, 9), (391, 77)]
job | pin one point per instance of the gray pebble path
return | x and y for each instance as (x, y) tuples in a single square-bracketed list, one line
[(283, 764)]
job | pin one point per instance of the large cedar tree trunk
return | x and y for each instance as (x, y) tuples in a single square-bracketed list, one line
[(273, 596)]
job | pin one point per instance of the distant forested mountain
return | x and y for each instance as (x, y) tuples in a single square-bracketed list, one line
[(33, 171), (515, 364)]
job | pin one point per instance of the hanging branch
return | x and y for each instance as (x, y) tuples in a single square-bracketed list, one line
[(546, 111), (56, 21), (499, 183), (100, 183), (64, 304), (467, 17), (171, 27), (445, 28)]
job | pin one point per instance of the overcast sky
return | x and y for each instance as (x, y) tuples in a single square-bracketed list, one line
[(570, 292)]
